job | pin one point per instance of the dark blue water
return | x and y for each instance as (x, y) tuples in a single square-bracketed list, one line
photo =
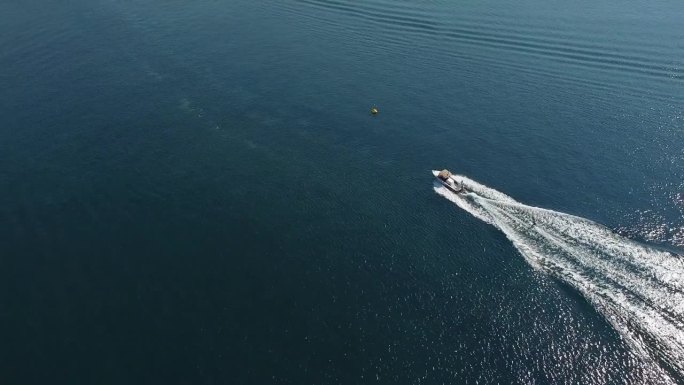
[(195, 192)]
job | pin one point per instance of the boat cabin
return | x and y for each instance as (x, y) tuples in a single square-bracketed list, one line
[(444, 175)]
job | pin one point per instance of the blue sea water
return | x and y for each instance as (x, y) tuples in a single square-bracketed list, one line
[(196, 192)]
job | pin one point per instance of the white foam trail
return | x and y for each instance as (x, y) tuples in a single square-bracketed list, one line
[(638, 289)]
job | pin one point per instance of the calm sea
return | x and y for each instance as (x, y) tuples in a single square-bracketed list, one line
[(196, 192)]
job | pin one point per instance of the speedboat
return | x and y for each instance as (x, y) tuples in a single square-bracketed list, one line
[(447, 180)]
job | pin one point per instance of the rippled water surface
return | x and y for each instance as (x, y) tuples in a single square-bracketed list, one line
[(196, 192)]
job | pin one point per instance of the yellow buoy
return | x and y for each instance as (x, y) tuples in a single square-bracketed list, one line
[(374, 111)]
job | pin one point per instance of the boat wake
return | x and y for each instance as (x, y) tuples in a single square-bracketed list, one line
[(638, 289)]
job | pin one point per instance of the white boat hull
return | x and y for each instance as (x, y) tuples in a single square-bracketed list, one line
[(450, 184)]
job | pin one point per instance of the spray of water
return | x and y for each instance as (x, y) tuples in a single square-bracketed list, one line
[(638, 289)]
